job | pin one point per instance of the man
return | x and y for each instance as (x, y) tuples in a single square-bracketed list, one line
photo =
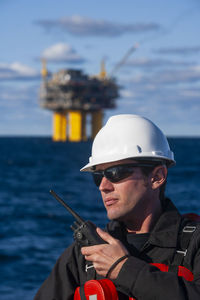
[(129, 162)]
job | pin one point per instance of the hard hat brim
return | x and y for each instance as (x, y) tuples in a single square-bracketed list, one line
[(169, 162)]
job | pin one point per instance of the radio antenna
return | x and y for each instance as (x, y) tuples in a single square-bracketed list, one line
[(73, 213)]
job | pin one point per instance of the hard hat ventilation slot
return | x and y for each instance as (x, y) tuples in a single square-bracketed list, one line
[(139, 149)]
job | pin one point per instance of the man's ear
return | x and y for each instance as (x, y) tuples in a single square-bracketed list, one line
[(158, 176)]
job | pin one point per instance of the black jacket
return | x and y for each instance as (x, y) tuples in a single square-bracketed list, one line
[(137, 277)]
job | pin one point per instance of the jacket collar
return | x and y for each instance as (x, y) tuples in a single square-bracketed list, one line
[(165, 232)]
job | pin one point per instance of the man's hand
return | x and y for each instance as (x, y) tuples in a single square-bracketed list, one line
[(103, 256)]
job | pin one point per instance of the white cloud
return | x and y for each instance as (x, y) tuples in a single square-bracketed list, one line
[(144, 62), (61, 52), (187, 50), (171, 76), (127, 94), (23, 69), (78, 25), (190, 93), (17, 70)]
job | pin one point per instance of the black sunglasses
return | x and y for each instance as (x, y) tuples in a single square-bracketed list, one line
[(118, 172)]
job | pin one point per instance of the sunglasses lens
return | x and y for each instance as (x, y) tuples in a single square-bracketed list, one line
[(97, 178), (115, 174)]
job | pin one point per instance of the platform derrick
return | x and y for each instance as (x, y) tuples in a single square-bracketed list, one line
[(72, 95)]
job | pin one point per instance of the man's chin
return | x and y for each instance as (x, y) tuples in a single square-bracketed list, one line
[(115, 217)]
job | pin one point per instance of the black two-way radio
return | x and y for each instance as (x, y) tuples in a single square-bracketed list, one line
[(84, 232)]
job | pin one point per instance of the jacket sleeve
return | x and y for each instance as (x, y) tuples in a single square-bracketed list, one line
[(63, 280), (147, 282)]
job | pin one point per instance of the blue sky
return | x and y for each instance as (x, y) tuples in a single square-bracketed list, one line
[(160, 79)]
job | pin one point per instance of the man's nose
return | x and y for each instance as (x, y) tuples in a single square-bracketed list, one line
[(106, 185)]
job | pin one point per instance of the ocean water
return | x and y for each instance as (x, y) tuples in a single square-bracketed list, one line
[(35, 228)]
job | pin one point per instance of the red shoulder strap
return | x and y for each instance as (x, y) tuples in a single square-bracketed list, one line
[(182, 271), (192, 216)]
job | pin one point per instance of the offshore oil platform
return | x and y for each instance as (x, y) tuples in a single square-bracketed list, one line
[(73, 95)]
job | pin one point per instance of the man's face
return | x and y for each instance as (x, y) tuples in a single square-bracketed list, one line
[(129, 197)]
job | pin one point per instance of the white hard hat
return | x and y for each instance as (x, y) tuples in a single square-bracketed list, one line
[(129, 136)]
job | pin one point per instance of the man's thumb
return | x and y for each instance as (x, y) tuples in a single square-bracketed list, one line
[(105, 235)]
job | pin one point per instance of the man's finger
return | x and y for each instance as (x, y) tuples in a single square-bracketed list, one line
[(105, 236), (90, 249)]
